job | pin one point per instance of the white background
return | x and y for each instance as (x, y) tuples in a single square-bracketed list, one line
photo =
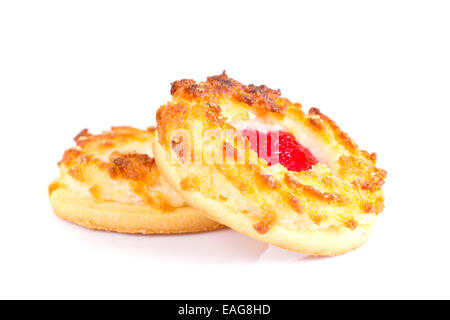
[(379, 68)]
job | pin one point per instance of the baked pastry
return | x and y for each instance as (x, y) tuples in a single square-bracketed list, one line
[(256, 162), (110, 182)]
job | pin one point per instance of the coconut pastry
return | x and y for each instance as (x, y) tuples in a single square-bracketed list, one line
[(259, 164), (110, 182)]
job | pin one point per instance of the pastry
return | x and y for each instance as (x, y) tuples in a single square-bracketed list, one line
[(110, 182), (259, 164)]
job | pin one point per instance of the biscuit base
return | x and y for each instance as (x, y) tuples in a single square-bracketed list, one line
[(322, 242), (128, 218)]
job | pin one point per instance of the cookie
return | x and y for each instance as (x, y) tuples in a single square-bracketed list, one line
[(259, 164), (111, 182)]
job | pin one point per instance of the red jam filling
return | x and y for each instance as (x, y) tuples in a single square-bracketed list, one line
[(280, 147)]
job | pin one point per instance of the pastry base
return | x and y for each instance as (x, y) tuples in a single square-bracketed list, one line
[(128, 218)]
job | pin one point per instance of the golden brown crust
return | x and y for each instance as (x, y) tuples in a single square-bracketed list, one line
[(313, 192), (116, 169), (111, 139), (128, 218), (133, 166), (337, 193), (260, 98)]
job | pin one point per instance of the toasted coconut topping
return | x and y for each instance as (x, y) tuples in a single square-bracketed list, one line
[(351, 224), (311, 191), (261, 97), (270, 181), (296, 204), (116, 165), (262, 227), (133, 166)]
